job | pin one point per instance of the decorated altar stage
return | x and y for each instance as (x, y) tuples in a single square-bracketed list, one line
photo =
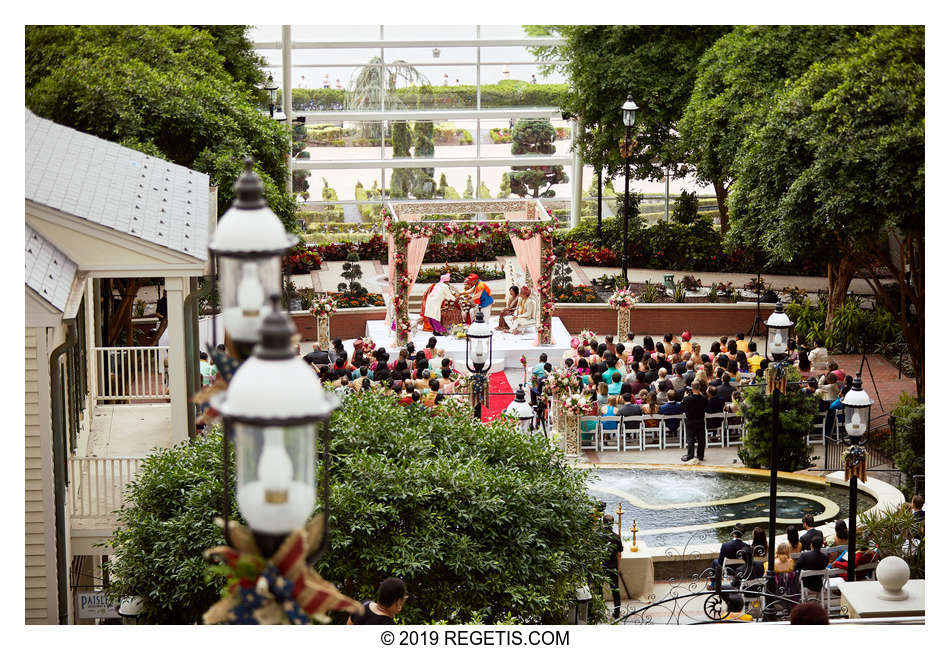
[(506, 347)]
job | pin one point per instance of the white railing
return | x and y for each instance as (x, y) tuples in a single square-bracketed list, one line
[(96, 485), (131, 373)]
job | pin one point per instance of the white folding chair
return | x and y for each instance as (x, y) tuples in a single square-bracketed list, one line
[(714, 429), (614, 434), (632, 427), (816, 435), (670, 437), (589, 439), (823, 595), (732, 429), (655, 432), (733, 567)]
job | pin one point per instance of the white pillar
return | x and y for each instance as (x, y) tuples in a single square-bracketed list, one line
[(287, 69), (91, 361), (175, 289), (577, 177)]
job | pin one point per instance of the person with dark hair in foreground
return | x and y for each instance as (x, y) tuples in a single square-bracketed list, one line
[(390, 598), (810, 613)]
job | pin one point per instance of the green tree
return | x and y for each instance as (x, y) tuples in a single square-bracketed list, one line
[(796, 414), (686, 208), (400, 183), (423, 133), (909, 456), (469, 188), (167, 91), (504, 191), (655, 64), (736, 80), (479, 520), (443, 186), (839, 162), (483, 191), (534, 137)]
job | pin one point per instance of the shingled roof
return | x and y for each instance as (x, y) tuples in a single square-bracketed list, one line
[(49, 272), (117, 187)]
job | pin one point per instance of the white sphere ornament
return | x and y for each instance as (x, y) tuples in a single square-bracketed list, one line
[(892, 574)]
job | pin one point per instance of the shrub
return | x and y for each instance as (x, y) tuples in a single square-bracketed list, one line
[(678, 292), (691, 282), (796, 415), (579, 293), (650, 293), (686, 208), (909, 425), (888, 532)]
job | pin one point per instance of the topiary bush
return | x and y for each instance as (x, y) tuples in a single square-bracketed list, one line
[(482, 522), (796, 415)]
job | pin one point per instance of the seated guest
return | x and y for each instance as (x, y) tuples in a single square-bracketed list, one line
[(610, 410), (863, 555), (811, 560), (602, 394), (511, 304), (613, 388), (819, 356), (660, 378), (734, 548), (318, 357), (811, 533), (783, 561), (917, 507), (672, 407), (841, 533), (760, 549), (794, 545), (755, 359), (538, 370), (629, 409), (725, 391), (741, 344), (679, 380), (640, 383)]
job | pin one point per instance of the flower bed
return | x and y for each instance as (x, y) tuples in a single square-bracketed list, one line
[(579, 293), (301, 260), (458, 273), (347, 301)]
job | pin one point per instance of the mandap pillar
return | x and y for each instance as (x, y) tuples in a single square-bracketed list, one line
[(401, 280), (544, 289)]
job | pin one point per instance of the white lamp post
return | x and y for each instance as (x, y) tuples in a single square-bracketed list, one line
[(271, 409), (248, 244)]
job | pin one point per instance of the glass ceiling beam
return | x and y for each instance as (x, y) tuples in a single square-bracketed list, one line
[(404, 163), (316, 117)]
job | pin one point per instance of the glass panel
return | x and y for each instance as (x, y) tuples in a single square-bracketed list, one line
[(498, 138), (338, 140), (454, 139), (507, 54), (405, 85), (428, 32), (511, 85), (317, 32)]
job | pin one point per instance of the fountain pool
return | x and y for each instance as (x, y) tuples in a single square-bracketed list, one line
[(672, 506)]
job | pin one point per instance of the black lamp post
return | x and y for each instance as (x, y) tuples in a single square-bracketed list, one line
[(857, 411), (271, 89), (478, 351), (629, 111), (776, 349)]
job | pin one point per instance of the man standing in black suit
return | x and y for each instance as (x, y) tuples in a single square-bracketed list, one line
[(694, 406), (732, 549), (811, 560)]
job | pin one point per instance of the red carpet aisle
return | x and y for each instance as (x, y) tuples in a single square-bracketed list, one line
[(497, 383)]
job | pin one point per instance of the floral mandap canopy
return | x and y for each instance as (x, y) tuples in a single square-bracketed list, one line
[(530, 226)]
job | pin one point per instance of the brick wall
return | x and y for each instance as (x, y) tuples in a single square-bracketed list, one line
[(700, 319), (345, 324)]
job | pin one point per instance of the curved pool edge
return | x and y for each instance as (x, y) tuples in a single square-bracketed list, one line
[(887, 496)]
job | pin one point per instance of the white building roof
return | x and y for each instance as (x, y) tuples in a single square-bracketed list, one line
[(117, 187), (48, 271)]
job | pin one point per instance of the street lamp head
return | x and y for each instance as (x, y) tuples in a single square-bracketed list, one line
[(271, 409), (478, 342), (857, 410), (629, 111), (778, 334), (521, 410), (248, 243)]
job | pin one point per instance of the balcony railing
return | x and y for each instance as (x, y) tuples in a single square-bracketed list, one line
[(131, 374), (96, 485)]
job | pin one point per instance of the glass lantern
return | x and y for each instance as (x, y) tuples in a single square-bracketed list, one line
[(520, 409), (272, 410), (248, 243), (478, 344), (629, 111), (778, 334), (857, 411)]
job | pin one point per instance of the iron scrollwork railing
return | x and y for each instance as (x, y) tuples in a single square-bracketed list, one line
[(702, 597)]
